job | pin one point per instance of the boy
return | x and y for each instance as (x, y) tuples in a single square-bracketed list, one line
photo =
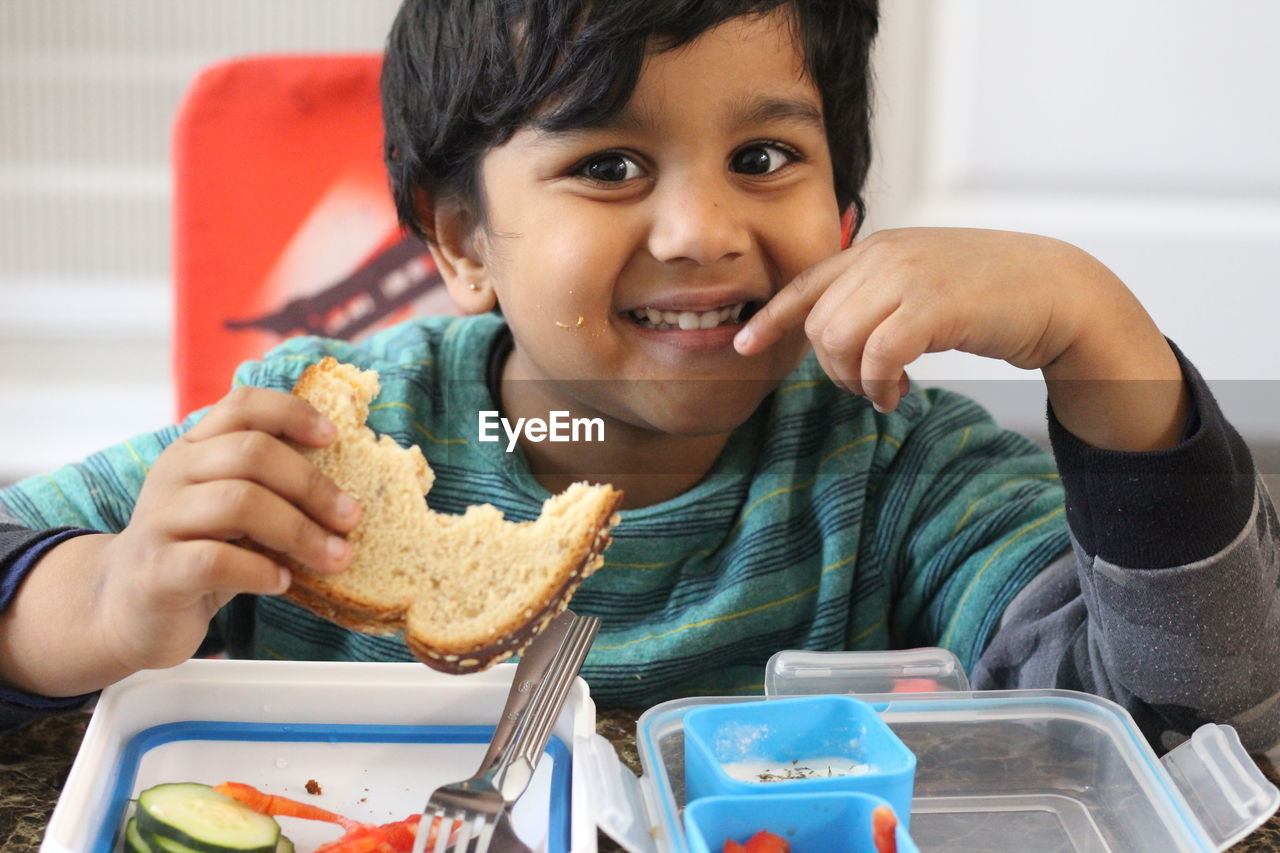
[(660, 198)]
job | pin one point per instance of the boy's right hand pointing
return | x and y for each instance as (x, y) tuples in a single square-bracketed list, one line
[(234, 476)]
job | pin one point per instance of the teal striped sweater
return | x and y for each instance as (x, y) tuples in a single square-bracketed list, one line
[(823, 524)]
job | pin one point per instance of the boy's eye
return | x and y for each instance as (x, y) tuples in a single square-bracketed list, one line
[(761, 159), (611, 169)]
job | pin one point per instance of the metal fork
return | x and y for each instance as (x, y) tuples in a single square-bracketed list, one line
[(479, 802)]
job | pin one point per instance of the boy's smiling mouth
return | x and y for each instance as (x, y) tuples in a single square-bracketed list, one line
[(687, 320)]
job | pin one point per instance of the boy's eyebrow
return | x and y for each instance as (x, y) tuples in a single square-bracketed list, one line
[(763, 109), (747, 112), (624, 119)]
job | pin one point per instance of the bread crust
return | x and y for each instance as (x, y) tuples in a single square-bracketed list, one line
[(512, 637), (316, 594)]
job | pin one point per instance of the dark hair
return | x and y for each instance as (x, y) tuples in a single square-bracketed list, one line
[(462, 76)]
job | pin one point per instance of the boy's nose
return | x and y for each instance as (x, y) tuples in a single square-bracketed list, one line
[(696, 222)]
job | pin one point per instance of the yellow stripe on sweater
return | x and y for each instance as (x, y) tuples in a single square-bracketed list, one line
[(730, 616), (420, 428), (996, 553), (146, 469), (968, 512)]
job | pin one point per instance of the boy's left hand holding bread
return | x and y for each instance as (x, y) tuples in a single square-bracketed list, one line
[(246, 501), (144, 596), (1035, 302)]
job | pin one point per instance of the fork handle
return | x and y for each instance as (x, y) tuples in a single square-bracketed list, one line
[(532, 738), (530, 671)]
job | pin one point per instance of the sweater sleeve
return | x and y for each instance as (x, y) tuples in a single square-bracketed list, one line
[(20, 549), (39, 513), (1167, 602), (98, 495)]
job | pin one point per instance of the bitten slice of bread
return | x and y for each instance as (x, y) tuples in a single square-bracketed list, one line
[(467, 590)]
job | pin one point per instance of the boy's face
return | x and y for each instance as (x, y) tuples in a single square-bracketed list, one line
[(710, 191)]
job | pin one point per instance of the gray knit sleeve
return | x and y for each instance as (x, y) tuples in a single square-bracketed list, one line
[(1176, 647), (1168, 602)]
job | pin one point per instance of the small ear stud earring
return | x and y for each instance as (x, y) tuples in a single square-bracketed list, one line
[(471, 285)]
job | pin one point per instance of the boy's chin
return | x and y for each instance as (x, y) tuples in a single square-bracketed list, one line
[(693, 408)]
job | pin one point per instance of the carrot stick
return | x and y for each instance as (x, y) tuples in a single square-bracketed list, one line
[(395, 837), (275, 806)]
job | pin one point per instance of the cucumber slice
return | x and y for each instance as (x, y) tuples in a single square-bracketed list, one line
[(160, 844), (199, 818), (133, 840), (136, 842)]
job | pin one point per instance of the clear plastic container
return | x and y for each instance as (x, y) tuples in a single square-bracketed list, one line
[(1043, 770)]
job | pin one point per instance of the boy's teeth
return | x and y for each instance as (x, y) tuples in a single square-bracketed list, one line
[(688, 320)]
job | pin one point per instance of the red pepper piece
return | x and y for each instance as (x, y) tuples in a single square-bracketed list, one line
[(884, 823), (766, 842)]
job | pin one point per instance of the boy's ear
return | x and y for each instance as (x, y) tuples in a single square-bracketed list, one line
[(848, 221), (457, 250)]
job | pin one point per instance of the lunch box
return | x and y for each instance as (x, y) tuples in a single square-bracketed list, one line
[(372, 739), (1045, 770)]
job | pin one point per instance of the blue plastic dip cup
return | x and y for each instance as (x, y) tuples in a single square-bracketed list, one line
[(802, 745), (832, 822)]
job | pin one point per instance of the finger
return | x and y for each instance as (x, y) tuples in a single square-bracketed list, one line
[(273, 412), (845, 299), (894, 343), (842, 335), (789, 306), (236, 509), (832, 372), (274, 465), (202, 566)]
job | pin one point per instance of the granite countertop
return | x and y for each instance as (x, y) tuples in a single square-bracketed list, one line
[(35, 760)]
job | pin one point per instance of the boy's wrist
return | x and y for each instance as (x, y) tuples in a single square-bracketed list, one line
[(1118, 384), (1125, 414), (1189, 502), (54, 645)]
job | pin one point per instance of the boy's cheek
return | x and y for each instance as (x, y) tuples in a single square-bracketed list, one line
[(803, 243)]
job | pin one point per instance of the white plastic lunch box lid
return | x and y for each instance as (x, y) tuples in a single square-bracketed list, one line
[(997, 770), (376, 737)]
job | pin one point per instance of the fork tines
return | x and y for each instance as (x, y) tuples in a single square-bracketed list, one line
[(480, 802)]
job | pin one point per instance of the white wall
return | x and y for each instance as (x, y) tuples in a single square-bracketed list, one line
[(88, 91), (1143, 131)]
